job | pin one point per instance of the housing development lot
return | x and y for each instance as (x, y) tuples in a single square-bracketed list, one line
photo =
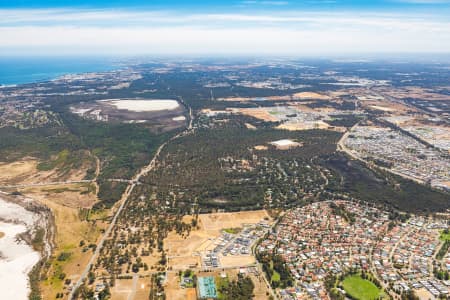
[(341, 238), (401, 154)]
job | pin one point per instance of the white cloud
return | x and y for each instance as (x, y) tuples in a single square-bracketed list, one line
[(294, 33)]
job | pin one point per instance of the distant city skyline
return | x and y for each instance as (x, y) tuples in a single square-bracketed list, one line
[(297, 28)]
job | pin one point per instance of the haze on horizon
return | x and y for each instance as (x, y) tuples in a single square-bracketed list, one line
[(313, 27)]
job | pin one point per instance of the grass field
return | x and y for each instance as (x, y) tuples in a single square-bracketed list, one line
[(275, 275), (360, 288), (233, 230), (444, 236), (221, 283)]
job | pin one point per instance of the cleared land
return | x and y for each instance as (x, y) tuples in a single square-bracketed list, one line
[(360, 288), (69, 258), (143, 105), (30, 170), (259, 113), (184, 253), (310, 95), (219, 221)]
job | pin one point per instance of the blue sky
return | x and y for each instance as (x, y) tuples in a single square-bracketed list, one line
[(259, 27)]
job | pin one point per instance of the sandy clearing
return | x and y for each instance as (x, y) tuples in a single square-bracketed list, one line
[(25, 171), (70, 230), (249, 126), (184, 253), (382, 108), (285, 144), (237, 261), (143, 105), (179, 118), (121, 289), (303, 125), (258, 113), (261, 147), (68, 195), (310, 95), (218, 221), (185, 262), (18, 258), (175, 292)]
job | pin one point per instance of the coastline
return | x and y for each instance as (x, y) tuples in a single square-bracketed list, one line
[(33, 70), (23, 245)]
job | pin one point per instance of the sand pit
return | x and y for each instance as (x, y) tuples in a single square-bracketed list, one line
[(285, 144), (179, 118), (17, 257), (261, 147), (143, 105), (293, 126)]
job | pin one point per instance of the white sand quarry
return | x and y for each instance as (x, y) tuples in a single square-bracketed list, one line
[(144, 105), (16, 257), (285, 144)]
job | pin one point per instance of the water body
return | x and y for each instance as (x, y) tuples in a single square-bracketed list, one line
[(19, 70), (17, 258)]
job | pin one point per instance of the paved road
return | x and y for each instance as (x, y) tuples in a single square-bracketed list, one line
[(123, 201)]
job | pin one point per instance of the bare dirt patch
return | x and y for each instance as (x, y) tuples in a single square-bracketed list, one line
[(310, 95), (258, 113), (76, 196), (185, 252), (71, 229), (121, 289), (218, 221), (175, 292), (293, 126), (286, 144), (237, 261), (26, 171), (261, 147)]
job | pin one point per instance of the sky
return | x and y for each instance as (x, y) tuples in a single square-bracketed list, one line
[(233, 27)]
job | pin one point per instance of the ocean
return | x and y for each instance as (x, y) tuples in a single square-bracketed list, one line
[(19, 70)]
